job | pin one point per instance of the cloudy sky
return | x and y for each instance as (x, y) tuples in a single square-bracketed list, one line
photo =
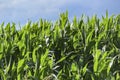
[(20, 11)]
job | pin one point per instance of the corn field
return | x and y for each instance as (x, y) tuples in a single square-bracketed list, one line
[(81, 49)]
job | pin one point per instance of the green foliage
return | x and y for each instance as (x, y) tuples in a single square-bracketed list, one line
[(84, 49)]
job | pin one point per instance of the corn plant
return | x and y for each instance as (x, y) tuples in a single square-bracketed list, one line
[(82, 49)]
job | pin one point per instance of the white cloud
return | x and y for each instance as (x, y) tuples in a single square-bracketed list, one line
[(20, 10), (33, 3), (17, 10), (32, 6)]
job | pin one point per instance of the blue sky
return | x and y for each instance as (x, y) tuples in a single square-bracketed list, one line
[(20, 11)]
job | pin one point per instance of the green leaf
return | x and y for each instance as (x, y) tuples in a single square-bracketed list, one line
[(96, 60), (20, 65), (110, 65), (34, 54), (44, 56), (74, 67), (8, 67), (85, 69), (62, 59), (2, 75)]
